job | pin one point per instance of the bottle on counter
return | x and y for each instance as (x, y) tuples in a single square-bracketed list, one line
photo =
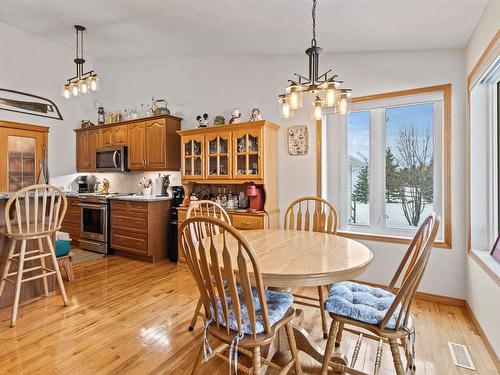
[(224, 198)]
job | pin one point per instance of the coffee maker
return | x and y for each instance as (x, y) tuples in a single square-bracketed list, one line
[(255, 196), (83, 184)]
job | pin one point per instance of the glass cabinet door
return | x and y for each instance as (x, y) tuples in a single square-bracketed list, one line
[(218, 159), (247, 154), (21, 162), (192, 156)]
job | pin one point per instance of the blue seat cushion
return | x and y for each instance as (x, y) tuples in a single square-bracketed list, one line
[(361, 302), (278, 304)]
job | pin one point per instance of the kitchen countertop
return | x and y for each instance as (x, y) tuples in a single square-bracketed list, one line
[(140, 198), (7, 195)]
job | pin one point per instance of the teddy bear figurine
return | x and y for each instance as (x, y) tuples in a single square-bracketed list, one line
[(235, 116), (202, 120), (256, 115)]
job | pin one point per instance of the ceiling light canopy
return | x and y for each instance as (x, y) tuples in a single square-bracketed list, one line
[(325, 87), (83, 82)]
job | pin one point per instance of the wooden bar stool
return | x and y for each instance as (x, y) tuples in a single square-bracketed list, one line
[(37, 221)]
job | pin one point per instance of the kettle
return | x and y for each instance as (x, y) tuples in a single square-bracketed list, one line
[(160, 107)]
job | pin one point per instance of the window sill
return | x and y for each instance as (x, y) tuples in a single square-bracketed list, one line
[(386, 238), (487, 263)]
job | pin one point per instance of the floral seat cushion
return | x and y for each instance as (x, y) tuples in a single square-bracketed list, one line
[(361, 302), (278, 304)]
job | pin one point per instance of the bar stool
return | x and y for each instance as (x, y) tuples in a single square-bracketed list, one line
[(32, 223)]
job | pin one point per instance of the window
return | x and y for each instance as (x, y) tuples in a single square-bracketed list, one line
[(385, 163)]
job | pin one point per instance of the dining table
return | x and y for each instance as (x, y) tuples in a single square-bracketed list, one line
[(291, 259)]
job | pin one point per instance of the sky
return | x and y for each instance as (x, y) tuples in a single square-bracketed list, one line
[(397, 118)]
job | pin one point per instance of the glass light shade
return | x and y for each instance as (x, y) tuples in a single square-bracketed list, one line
[(344, 102), (66, 92), (296, 96), (74, 89), (330, 94), (93, 83), (284, 107), (318, 111), (82, 86)]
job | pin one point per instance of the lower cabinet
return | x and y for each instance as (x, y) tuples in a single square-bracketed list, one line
[(72, 220), (140, 229)]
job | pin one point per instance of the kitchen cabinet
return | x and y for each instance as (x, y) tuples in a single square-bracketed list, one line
[(218, 157), (136, 146), (247, 153), (192, 157), (155, 144), (72, 220), (140, 229), (86, 144), (114, 136)]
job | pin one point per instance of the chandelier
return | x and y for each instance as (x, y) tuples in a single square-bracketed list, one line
[(325, 88), (83, 82)]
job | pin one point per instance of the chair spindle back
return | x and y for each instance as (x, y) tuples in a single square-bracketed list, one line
[(212, 262), (210, 209), (311, 214), (30, 218)]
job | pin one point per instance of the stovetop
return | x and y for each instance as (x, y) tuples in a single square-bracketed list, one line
[(98, 197)]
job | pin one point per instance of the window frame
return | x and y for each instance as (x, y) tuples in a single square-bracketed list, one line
[(397, 235)]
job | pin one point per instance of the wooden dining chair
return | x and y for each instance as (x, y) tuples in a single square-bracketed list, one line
[(317, 215), (38, 213), (383, 312), (239, 311), (210, 209)]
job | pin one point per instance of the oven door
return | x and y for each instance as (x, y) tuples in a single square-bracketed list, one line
[(111, 159), (94, 222)]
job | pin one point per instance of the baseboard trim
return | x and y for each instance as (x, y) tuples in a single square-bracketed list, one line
[(481, 333)]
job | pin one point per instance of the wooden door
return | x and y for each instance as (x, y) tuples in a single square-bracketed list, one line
[(218, 155), (192, 157), (136, 146), (120, 135), (93, 145), (107, 137), (156, 144), (82, 151), (247, 154)]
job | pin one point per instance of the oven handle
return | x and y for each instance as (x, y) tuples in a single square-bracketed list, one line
[(115, 161), (96, 207)]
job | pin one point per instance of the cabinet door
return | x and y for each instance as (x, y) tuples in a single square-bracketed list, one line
[(136, 154), (156, 144), (107, 137), (82, 151), (218, 155), (247, 154), (120, 135), (192, 157), (93, 145)]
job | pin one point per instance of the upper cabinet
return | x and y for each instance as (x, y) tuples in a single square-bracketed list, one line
[(241, 152), (153, 143)]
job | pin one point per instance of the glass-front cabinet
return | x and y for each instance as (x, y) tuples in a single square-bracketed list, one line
[(247, 154), (192, 157), (218, 157)]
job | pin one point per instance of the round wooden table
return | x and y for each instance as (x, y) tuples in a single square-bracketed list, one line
[(294, 259)]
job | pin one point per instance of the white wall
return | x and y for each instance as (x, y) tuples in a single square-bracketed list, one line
[(35, 66), (482, 292), (216, 85)]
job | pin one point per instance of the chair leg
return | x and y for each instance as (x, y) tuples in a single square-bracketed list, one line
[(17, 294), (338, 340), (410, 361), (197, 362), (7, 265), (256, 360), (195, 315), (293, 348), (321, 298), (329, 346), (42, 263), (58, 272), (396, 357)]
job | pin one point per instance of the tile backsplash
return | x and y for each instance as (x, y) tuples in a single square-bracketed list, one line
[(123, 182)]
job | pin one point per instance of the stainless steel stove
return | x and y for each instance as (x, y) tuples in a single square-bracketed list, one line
[(94, 229)]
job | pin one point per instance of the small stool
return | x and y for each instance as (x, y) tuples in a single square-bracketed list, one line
[(66, 263)]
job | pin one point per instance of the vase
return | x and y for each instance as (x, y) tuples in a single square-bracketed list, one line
[(146, 192)]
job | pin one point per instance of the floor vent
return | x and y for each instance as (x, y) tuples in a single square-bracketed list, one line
[(461, 356)]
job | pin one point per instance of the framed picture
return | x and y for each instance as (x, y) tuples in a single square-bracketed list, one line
[(495, 252), (298, 140)]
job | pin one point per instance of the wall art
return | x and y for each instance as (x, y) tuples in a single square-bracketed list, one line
[(298, 140)]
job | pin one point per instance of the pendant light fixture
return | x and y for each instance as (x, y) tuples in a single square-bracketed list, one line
[(83, 82), (325, 88)]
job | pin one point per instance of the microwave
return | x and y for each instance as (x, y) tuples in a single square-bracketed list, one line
[(111, 159)]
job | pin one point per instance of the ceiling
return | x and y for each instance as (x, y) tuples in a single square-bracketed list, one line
[(172, 28)]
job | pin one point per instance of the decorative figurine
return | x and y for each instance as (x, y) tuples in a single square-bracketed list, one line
[(202, 120), (256, 115), (219, 120), (235, 116)]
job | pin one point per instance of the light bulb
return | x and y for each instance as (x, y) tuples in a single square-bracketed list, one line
[(284, 107), (93, 83), (330, 94), (74, 89), (83, 87), (318, 111), (343, 102), (66, 92), (295, 95)]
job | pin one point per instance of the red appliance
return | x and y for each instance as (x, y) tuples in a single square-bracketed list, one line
[(255, 195)]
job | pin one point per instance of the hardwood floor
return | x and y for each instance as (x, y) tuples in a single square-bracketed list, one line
[(131, 317)]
